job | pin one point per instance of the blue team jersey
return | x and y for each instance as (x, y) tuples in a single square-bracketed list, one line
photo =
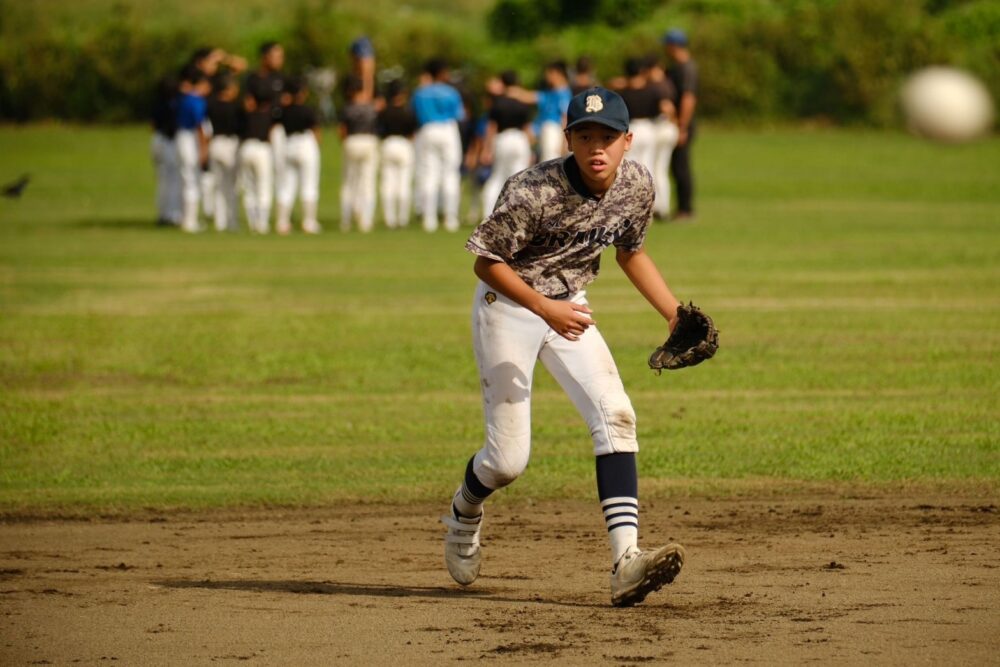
[(437, 103), (191, 110), (552, 105)]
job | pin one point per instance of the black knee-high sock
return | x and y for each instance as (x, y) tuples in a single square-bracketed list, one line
[(618, 489), (468, 501)]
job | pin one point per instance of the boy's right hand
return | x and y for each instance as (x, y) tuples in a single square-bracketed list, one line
[(566, 318)]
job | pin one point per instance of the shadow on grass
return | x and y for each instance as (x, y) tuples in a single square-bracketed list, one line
[(121, 223), (362, 590)]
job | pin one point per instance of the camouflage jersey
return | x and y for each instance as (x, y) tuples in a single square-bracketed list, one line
[(551, 231)]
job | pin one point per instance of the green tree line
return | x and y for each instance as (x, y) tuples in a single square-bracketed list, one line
[(839, 60)]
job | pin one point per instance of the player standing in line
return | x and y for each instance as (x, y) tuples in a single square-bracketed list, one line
[(224, 114), (396, 127), (683, 74), (360, 164), (301, 171), (438, 107), (535, 255), (583, 76), (164, 150), (665, 131), (643, 104), (507, 145), (192, 146), (256, 162), (266, 85), (552, 102)]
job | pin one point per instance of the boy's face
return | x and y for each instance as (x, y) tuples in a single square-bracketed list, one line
[(598, 151)]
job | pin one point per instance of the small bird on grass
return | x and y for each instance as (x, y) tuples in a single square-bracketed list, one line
[(14, 189)]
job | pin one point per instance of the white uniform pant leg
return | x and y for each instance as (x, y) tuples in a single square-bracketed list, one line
[(357, 193), (451, 181), (587, 372), (190, 170), (222, 152), (278, 141), (168, 191), (396, 180), (551, 141), (506, 338), (512, 153), (666, 139), (643, 142), (256, 178), (307, 149), (429, 170)]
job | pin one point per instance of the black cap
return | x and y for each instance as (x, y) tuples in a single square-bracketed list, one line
[(598, 105)]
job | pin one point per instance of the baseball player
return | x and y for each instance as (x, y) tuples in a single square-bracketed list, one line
[(552, 102), (192, 145), (438, 107), (506, 146), (164, 151), (266, 85), (643, 102), (224, 115), (683, 74), (535, 255), (665, 133), (256, 162), (360, 148), (302, 160), (396, 127)]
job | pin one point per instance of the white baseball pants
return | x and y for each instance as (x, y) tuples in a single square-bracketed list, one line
[(507, 340), (439, 162), (551, 141), (666, 138), (397, 180), (511, 154), (301, 174), (190, 169), (643, 148), (222, 153), (278, 140), (256, 172), (357, 189), (168, 178)]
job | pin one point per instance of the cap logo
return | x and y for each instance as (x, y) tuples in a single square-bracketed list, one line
[(594, 103)]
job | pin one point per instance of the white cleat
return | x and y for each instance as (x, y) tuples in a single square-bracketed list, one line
[(639, 573), (462, 554)]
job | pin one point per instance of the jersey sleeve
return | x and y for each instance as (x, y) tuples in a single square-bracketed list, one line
[(508, 229)]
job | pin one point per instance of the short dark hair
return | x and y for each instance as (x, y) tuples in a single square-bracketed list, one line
[(584, 65), (201, 53), (267, 46), (394, 88), (294, 85), (436, 66), (191, 74), (559, 66), (509, 77), (633, 66)]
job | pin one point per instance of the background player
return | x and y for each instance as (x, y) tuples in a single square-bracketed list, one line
[(192, 145), (266, 85), (256, 162), (224, 115), (506, 145), (164, 151), (302, 160), (360, 163), (535, 255), (396, 127), (438, 107), (683, 74)]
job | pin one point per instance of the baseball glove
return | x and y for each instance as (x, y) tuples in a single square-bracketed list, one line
[(692, 341)]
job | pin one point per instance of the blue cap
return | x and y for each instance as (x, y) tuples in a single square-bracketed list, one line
[(362, 48), (598, 105), (675, 37)]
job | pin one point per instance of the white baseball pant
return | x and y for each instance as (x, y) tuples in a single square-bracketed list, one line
[(190, 170), (643, 148), (207, 179), (278, 140), (439, 162), (301, 173), (222, 153), (168, 178), (666, 138), (397, 180), (507, 340), (255, 174), (357, 189), (511, 154), (551, 141)]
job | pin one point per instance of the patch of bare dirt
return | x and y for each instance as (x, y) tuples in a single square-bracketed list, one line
[(828, 580)]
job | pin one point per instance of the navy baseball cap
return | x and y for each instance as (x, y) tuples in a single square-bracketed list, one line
[(598, 105), (362, 48), (675, 37)]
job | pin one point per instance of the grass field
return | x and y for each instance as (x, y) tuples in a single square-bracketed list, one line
[(855, 277)]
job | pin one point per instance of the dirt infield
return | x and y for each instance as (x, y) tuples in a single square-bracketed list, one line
[(863, 580)]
